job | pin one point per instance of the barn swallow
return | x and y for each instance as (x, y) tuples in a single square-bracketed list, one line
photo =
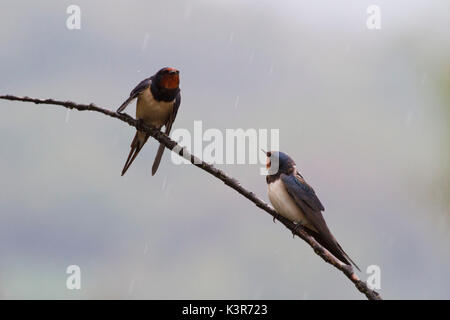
[(158, 100), (296, 200)]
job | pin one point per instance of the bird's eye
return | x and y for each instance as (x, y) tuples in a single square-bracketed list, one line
[(269, 154)]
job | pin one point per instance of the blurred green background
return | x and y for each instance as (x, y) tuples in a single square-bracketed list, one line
[(365, 114)]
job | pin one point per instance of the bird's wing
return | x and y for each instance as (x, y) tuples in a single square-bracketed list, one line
[(176, 106), (144, 84), (303, 191), (305, 197), (169, 124)]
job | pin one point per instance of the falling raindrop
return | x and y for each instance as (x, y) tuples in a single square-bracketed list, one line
[(236, 102), (131, 287), (164, 184), (67, 115), (146, 249), (408, 119), (424, 78), (252, 56), (231, 38), (145, 42)]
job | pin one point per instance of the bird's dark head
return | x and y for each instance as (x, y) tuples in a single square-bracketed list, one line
[(165, 84), (279, 162), (167, 78)]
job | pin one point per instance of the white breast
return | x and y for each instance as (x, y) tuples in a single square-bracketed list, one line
[(152, 112), (284, 204)]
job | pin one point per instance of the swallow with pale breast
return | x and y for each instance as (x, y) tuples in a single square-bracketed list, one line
[(296, 200), (158, 100)]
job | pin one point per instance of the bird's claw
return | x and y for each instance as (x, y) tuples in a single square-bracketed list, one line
[(275, 216), (297, 227)]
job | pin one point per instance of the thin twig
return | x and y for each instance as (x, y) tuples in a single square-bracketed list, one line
[(229, 181)]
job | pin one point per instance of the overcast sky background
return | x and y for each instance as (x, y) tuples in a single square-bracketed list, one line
[(364, 113)]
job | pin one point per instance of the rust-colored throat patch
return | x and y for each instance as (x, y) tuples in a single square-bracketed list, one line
[(170, 81)]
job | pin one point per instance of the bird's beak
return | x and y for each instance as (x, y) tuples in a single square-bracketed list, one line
[(265, 152)]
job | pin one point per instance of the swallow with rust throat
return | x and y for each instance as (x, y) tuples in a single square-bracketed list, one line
[(158, 100), (296, 200)]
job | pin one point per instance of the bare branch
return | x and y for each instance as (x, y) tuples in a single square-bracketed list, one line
[(229, 181)]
